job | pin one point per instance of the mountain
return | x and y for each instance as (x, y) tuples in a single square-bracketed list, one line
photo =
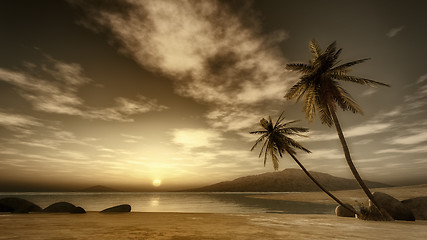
[(288, 180), (98, 188)]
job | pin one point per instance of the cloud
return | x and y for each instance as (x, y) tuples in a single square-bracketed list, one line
[(53, 88), (420, 149), (417, 100), (364, 129), (367, 128), (194, 138), (215, 55), (16, 120), (234, 118), (416, 138), (124, 108), (325, 154), (132, 138), (394, 31), (369, 92), (421, 79)]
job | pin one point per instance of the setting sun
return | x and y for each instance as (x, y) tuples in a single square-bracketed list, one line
[(157, 182)]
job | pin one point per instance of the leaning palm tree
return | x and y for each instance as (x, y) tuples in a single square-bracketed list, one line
[(277, 141), (320, 88)]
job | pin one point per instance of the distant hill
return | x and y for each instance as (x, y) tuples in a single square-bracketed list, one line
[(289, 180), (98, 188)]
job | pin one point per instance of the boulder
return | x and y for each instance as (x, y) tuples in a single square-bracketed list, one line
[(60, 207), (5, 208), (117, 209), (394, 207), (18, 205), (418, 207), (78, 210), (341, 211)]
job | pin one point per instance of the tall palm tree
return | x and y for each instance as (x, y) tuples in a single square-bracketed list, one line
[(320, 88), (277, 141)]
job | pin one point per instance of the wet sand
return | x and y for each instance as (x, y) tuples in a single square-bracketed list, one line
[(94, 225)]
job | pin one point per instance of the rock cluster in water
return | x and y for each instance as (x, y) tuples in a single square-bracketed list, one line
[(19, 205), (406, 210), (63, 207)]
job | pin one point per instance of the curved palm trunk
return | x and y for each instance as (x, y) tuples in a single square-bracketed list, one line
[(353, 169), (320, 186)]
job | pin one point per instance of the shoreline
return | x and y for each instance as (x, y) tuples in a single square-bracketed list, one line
[(232, 226), (137, 225), (354, 197)]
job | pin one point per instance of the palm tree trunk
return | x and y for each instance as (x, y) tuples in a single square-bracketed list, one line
[(320, 186), (353, 169)]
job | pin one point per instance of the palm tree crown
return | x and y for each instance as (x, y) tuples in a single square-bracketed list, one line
[(277, 139), (319, 84), (320, 88)]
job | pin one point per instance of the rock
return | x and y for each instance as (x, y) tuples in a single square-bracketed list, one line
[(60, 207), (78, 210), (117, 209), (5, 208), (418, 207), (18, 205), (393, 206), (340, 211)]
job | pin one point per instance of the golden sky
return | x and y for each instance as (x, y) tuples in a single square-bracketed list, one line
[(123, 93)]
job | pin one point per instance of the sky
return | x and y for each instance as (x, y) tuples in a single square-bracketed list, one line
[(124, 93)]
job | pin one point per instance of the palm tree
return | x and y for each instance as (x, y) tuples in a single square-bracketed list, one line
[(277, 141), (319, 86)]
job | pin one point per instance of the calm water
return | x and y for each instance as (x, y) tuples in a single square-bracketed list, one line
[(176, 202)]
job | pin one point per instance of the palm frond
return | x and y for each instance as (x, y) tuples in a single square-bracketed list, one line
[(337, 55), (348, 64), (260, 139), (291, 122), (258, 132), (263, 148), (325, 116), (295, 144), (265, 151), (358, 80), (279, 119), (297, 90), (276, 140), (309, 104), (274, 159), (315, 48), (299, 67), (293, 130), (345, 101), (331, 49)]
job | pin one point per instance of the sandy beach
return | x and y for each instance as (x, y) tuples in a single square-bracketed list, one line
[(94, 225), (138, 225)]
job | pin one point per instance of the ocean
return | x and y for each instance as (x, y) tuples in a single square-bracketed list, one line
[(176, 202)]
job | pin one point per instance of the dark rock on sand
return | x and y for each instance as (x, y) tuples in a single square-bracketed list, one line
[(18, 205), (78, 210), (418, 207), (117, 209), (341, 211), (60, 207), (393, 206), (5, 208)]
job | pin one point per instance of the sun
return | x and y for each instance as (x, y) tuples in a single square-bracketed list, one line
[(157, 182)]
